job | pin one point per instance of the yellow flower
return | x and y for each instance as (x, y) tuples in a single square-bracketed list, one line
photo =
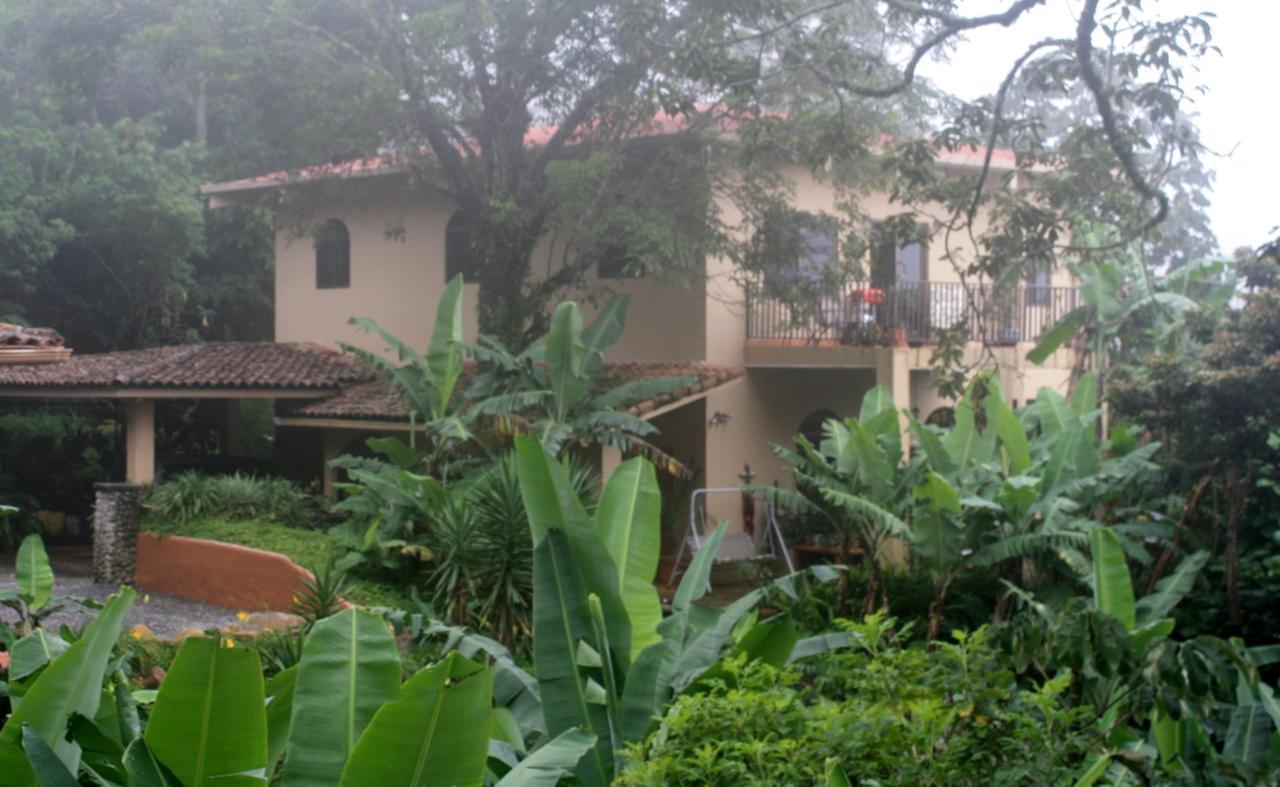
[(135, 634), (242, 616), (230, 643)]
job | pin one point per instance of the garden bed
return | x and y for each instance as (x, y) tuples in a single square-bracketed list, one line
[(301, 548)]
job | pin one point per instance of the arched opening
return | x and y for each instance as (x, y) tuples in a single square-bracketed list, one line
[(333, 255), (811, 428), (458, 237)]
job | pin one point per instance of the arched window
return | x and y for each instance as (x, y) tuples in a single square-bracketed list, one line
[(811, 428), (333, 255), (458, 236)]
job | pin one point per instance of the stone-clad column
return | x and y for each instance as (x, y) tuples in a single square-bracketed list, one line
[(116, 511)]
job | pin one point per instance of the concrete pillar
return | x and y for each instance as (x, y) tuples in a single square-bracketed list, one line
[(116, 511), (231, 442), (140, 441), (610, 458), (335, 445), (893, 371)]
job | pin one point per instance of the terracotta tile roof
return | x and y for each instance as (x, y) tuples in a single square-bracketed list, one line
[(377, 400), (19, 336), (210, 365)]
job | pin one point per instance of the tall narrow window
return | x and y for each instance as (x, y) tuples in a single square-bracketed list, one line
[(896, 262), (1039, 290), (333, 255), (458, 237), (801, 248)]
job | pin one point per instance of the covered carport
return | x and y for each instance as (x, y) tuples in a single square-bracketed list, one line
[(228, 371)]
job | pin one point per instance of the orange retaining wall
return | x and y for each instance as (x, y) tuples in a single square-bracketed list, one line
[(228, 575)]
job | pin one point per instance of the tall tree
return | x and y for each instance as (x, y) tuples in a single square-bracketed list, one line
[(525, 115)]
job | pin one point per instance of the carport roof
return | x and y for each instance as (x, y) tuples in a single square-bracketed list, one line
[(207, 366)]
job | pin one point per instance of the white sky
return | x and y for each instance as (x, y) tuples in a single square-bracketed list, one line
[(1238, 116)]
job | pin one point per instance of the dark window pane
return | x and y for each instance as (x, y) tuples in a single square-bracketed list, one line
[(803, 249), (333, 255), (613, 264), (457, 248)]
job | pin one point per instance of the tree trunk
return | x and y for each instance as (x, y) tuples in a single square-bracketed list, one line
[(1235, 503), (501, 257), (935, 608), (201, 110)]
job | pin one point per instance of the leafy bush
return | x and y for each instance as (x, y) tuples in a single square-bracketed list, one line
[(51, 456), (465, 544), (189, 496), (890, 714)]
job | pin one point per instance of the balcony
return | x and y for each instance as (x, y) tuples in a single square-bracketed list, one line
[(914, 312)]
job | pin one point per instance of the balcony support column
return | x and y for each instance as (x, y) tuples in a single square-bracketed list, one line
[(893, 371)]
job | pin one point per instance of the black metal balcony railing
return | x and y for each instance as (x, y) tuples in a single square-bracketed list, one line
[(916, 311)]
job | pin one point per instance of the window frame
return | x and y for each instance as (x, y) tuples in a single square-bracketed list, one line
[(459, 226), (332, 245)]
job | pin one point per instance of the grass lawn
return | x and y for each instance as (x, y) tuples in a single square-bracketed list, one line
[(305, 547)]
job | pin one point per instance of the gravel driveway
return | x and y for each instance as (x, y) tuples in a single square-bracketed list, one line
[(165, 615)]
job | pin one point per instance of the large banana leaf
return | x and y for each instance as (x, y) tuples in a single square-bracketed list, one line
[(1112, 587), (48, 768), (279, 691), (444, 353), (552, 504), (435, 734), (34, 575), (350, 667), (965, 444), (566, 355), (33, 652), (144, 769), (604, 332), (1055, 337), (628, 521), (552, 761), (1013, 440), (561, 620), (72, 683), (209, 723), (1171, 589)]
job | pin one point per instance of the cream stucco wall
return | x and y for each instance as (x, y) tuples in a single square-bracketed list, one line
[(398, 275), (395, 280)]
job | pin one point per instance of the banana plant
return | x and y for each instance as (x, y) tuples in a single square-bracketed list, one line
[(856, 480), (557, 389), (32, 597), (603, 661), (341, 716), (428, 384), (1128, 311), (1181, 704)]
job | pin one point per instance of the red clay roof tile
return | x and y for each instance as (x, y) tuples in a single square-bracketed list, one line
[(269, 365)]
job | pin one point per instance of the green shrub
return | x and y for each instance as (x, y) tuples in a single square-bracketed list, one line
[(50, 456), (190, 495), (891, 715)]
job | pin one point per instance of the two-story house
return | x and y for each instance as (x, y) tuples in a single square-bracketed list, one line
[(767, 369), (764, 368)]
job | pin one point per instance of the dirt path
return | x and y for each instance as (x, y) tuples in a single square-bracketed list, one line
[(165, 615)]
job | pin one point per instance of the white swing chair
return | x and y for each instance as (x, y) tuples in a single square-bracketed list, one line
[(764, 545)]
